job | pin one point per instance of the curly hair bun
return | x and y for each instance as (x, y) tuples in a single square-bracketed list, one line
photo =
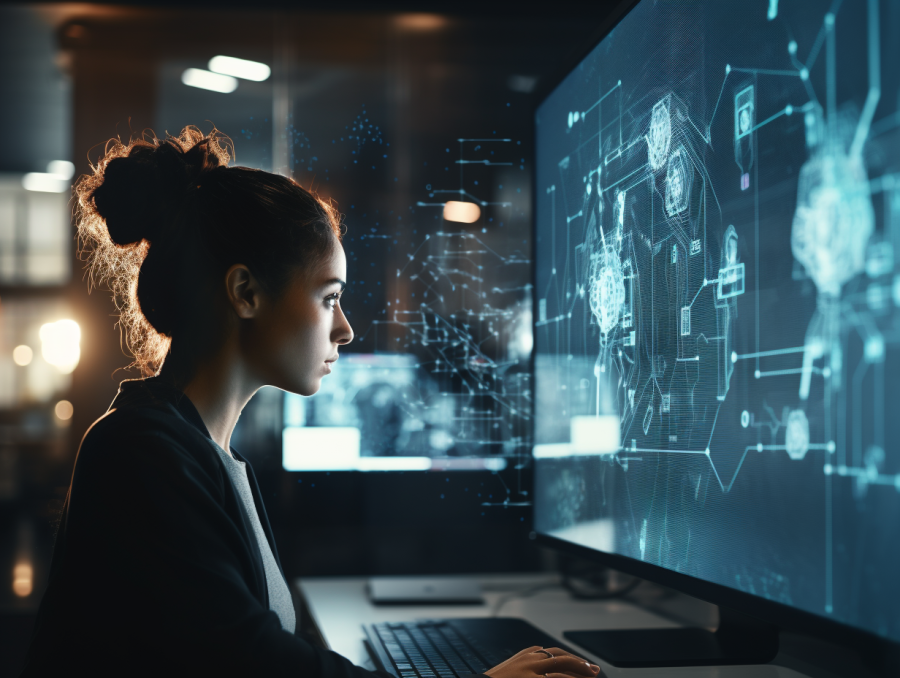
[(140, 192)]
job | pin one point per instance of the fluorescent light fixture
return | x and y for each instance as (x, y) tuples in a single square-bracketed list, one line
[(595, 434), (197, 77), (61, 168), (240, 68), (394, 464), (44, 182), (320, 448), (463, 212), (591, 436)]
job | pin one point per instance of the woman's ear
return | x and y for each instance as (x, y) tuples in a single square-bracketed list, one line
[(244, 291)]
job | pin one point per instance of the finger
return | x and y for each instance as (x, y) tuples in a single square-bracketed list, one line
[(567, 664), (571, 675), (559, 652), (524, 652)]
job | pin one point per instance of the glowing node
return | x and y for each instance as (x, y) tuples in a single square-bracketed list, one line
[(660, 135), (826, 372), (707, 451), (796, 437), (804, 74), (734, 356), (759, 447), (834, 219), (757, 374), (606, 288), (745, 418), (727, 69), (831, 447), (829, 19), (678, 183), (788, 109), (792, 47), (829, 469)]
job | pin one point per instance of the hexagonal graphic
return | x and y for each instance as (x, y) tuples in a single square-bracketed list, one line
[(796, 437), (678, 182), (606, 288), (660, 134)]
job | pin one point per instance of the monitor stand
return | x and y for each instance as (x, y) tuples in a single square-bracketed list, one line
[(740, 639)]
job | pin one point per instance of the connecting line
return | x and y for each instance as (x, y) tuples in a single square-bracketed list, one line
[(569, 219), (600, 100), (706, 283), (766, 354), (768, 71), (480, 162), (865, 120), (781, 373), (820, 38), (482, 140), (625, 178), (865, 474)]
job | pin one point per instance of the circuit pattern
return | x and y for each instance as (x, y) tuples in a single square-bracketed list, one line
[(692, 292)]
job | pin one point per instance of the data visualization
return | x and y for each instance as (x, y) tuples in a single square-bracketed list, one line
[(717, 331)]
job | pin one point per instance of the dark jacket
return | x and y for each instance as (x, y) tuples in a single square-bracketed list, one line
[(156, 570)]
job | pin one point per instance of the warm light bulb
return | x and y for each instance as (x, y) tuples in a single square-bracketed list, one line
[(60, 344), (64, 410), (22, 355), (23, 579)]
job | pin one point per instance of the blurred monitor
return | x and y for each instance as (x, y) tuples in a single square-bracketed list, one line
[(386, 412)]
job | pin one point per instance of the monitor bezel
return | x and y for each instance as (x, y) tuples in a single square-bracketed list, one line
[(785, 617)]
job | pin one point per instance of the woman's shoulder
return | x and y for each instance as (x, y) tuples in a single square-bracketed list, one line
[(134, 435)]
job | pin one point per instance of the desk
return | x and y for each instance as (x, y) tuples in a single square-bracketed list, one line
[(338, 608)]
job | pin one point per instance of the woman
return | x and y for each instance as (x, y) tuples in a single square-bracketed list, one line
[(227, 279)]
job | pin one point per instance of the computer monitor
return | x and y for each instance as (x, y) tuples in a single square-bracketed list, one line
[(717, 209), (387, 412)]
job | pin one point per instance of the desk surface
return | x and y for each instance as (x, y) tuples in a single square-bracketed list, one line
[(339, 607)]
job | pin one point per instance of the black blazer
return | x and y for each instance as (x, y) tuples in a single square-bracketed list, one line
[(156, 570)]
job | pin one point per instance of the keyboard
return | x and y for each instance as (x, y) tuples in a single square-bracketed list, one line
[(447, 648)]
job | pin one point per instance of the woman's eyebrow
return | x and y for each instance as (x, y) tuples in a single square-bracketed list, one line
[(335, 281)]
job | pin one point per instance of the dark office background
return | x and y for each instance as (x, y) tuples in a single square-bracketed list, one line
[(74, 75)]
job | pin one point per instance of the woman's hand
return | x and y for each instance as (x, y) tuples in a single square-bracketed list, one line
[(538, 662)]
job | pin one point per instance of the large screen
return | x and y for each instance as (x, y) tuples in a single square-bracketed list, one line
[(717, 330)]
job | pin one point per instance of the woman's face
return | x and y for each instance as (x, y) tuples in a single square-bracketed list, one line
[(298, 338)]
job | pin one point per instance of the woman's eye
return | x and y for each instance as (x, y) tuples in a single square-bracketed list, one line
[(331, 301)]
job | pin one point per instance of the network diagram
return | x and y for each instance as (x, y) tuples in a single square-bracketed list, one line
[(464, 309), (664, 282)]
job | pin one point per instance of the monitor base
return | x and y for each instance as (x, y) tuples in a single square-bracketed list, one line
[(738, 640)]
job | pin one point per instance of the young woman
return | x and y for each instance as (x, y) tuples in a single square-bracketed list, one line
[(226, 279)]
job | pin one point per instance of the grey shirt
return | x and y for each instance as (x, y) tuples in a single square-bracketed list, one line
[(279, 594)]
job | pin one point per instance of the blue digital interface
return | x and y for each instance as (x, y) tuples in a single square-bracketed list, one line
[(717, 330)]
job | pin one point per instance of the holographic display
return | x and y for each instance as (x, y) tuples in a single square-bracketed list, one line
[(717, 334)]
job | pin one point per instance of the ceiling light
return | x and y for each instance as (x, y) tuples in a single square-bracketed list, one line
[(197, 77), (240, 68), (464, 212), (45, 183)]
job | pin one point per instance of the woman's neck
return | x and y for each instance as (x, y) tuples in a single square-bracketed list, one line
[(219, 389)]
